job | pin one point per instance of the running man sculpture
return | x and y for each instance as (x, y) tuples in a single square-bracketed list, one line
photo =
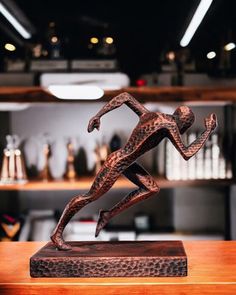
[(150, 130)]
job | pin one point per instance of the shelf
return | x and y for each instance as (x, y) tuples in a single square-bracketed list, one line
[(122, 183), (143, 94), (211, 270), (179, 94)]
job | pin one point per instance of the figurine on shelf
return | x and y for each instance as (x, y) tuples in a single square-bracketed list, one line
[(150, 130), (45, 174), (101, 153), (13, 166), (115, 143), (70, 173)]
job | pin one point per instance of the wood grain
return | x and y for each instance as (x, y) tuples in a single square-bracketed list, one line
[(179, 94), (143, 94), (84, 183), (212, 270)]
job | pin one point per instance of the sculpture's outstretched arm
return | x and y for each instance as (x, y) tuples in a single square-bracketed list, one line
[(117, 101), (194, 147)]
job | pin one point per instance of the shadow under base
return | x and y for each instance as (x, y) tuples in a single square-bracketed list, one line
[(111, 259)]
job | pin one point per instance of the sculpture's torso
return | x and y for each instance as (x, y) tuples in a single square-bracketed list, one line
[(148, 133)]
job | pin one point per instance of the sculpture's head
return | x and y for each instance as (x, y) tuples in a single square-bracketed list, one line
[(184, 118)]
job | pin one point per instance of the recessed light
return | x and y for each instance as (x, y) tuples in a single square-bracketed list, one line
[(229, 46), (10, 47), (211, 55)]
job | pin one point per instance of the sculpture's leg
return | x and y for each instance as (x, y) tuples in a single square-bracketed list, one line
[(103, 182), (147, 187), (70, 210)]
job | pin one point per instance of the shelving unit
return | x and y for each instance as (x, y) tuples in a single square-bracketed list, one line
[(193, 95)]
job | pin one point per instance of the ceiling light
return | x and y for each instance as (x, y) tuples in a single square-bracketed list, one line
[(13, 106), (109, 40), (10, 47), (20, 29), (229, 46), (195, 22), (45, 53), (94, 40), (211, 55), (76, 92), (170, 56), (54, 39), (52, 24)]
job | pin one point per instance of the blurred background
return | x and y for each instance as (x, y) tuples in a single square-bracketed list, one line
[(165, 53)]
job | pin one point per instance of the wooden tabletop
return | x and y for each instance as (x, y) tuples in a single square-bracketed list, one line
[(211, 265)]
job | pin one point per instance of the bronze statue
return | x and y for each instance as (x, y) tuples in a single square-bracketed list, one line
[(150, 130)]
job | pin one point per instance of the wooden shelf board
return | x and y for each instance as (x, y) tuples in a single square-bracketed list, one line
[(122, 183), (179, 94), (211, 270), (37, 94)]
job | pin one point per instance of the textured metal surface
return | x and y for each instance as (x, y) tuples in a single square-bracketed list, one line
[(150, 130), (111, 259)]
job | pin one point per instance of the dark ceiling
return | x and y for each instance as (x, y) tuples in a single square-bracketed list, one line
[(143, 31)]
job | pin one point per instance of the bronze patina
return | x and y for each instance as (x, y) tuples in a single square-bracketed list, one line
[(150, 130)]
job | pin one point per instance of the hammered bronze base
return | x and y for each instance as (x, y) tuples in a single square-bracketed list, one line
[(111, 259)]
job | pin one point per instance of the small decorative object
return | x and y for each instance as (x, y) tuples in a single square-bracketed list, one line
[(10, 227), (13, 166), (101, 153), (57, 158), (70, 173), (115, 142), (45, 174), (32, 153), (131, 258), (142, 222)]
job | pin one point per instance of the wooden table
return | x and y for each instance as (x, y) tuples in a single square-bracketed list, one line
[(212, 270)]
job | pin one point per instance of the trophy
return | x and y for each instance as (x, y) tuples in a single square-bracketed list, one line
[(70, 173), (101, 152), (137, 258), (13, 166)]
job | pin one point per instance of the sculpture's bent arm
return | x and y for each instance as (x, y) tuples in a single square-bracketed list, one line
[(195, 146), (123, 98), (116, 102)]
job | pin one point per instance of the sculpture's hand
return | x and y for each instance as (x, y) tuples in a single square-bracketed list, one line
[(94, 123), (211, 122)]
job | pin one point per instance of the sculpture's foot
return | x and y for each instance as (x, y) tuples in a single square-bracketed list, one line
[(103, 219), (60, 243)]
